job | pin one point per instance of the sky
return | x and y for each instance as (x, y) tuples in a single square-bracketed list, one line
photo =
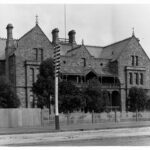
[(96, 24)]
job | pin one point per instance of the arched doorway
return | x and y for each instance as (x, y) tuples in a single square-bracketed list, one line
[(116, 101)]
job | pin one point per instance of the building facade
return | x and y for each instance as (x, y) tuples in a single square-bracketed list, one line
[(118, 66)]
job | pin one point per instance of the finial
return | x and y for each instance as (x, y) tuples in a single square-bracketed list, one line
[(82, 42), (36, 22), (133, 31)]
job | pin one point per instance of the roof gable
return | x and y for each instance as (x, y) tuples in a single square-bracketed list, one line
[(114, 50), (95, 50), (79, 51), (35, 33)]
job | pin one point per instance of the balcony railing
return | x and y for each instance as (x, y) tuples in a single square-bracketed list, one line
[(104, 85)]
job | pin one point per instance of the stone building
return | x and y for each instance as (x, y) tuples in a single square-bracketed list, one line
[(118, 66)]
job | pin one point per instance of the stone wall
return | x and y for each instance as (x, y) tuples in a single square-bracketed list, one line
[(124, 61), (25, 52)]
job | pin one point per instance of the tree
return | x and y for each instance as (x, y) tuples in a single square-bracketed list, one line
[(137, 99), (43, 88), (94, 97), (8, 98), (70, 97)]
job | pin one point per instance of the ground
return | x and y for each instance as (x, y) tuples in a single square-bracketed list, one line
[(103, 137)]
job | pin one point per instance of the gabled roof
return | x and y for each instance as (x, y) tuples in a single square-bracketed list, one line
[(78, 48), (94, 50), (112, 51), (36, 27)]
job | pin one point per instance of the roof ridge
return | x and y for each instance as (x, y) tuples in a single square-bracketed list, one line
[(74, 48), (94, 46), (117, 42)]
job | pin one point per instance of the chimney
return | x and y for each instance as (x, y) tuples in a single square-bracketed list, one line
[(9, 42), (55, 36), (9, 47), (72, 36)]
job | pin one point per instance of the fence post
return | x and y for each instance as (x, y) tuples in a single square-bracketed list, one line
[(41, 118), (136, 115), (92, 116), (68, 118), (115, 115)]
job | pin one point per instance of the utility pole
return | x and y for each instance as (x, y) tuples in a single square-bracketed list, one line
[(57, 68)]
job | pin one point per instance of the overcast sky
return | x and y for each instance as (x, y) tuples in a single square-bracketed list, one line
[(97, 24)]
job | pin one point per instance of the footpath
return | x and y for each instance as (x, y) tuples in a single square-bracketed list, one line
[(74, 127)]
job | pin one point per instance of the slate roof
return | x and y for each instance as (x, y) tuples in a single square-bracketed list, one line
[(36, 27), (94, 50), (65, 48), (69, 70), (112, 51), (78, 48)]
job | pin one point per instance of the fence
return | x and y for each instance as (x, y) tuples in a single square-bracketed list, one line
[(113, 116), (37, 117), (20, 117)]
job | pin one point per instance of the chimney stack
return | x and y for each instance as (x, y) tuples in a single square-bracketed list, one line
[(72, 36), (9, 35), (9, 47), (55, 36)]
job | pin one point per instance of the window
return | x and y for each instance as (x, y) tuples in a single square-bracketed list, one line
[(136, 60), (130, 78), (38, 54), (141, 78), (136, 78), (132, 59), (84, 62), (32, 75)]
